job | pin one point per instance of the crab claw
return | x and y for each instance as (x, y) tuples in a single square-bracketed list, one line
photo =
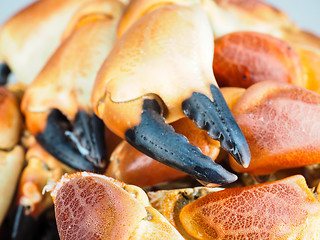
[(244, 58), (216, 118), (81, 147), (279, 123), (282, 209), (94, 206), (162, 62), (57, 104), (159, 140)]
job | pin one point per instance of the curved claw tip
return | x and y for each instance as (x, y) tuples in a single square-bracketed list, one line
[(241, 155)]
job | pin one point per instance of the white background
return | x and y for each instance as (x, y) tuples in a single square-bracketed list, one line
[(303, 12)]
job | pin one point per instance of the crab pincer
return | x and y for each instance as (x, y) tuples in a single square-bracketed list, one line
[(57, 104), (159, 71)]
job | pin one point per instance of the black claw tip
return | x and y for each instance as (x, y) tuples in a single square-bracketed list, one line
[(159, 141), (4, 73), (81, 147), (216, 118)]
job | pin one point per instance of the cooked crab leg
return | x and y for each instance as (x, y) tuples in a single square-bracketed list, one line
[(166, 56), (57, 104), (4, 73)]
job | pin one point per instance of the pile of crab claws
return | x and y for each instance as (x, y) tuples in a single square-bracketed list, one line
[(89, 206)]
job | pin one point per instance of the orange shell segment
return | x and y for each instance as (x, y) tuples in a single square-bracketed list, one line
[(94, 207), (279, 122), (244, 58), (285, 209)]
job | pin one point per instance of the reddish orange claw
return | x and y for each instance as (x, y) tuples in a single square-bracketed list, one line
[(284, 209), (244, 58), (280, 124)]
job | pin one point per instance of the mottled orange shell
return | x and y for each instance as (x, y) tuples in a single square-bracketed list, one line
[(285, 209), (93, 208), (280, 124), (244, 58)]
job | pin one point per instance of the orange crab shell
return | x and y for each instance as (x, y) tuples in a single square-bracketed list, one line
[(275, 120), (27, 43), (91, 206), (144, 63), (244, 58), (66, 80), (47, 169), (285, 209)]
